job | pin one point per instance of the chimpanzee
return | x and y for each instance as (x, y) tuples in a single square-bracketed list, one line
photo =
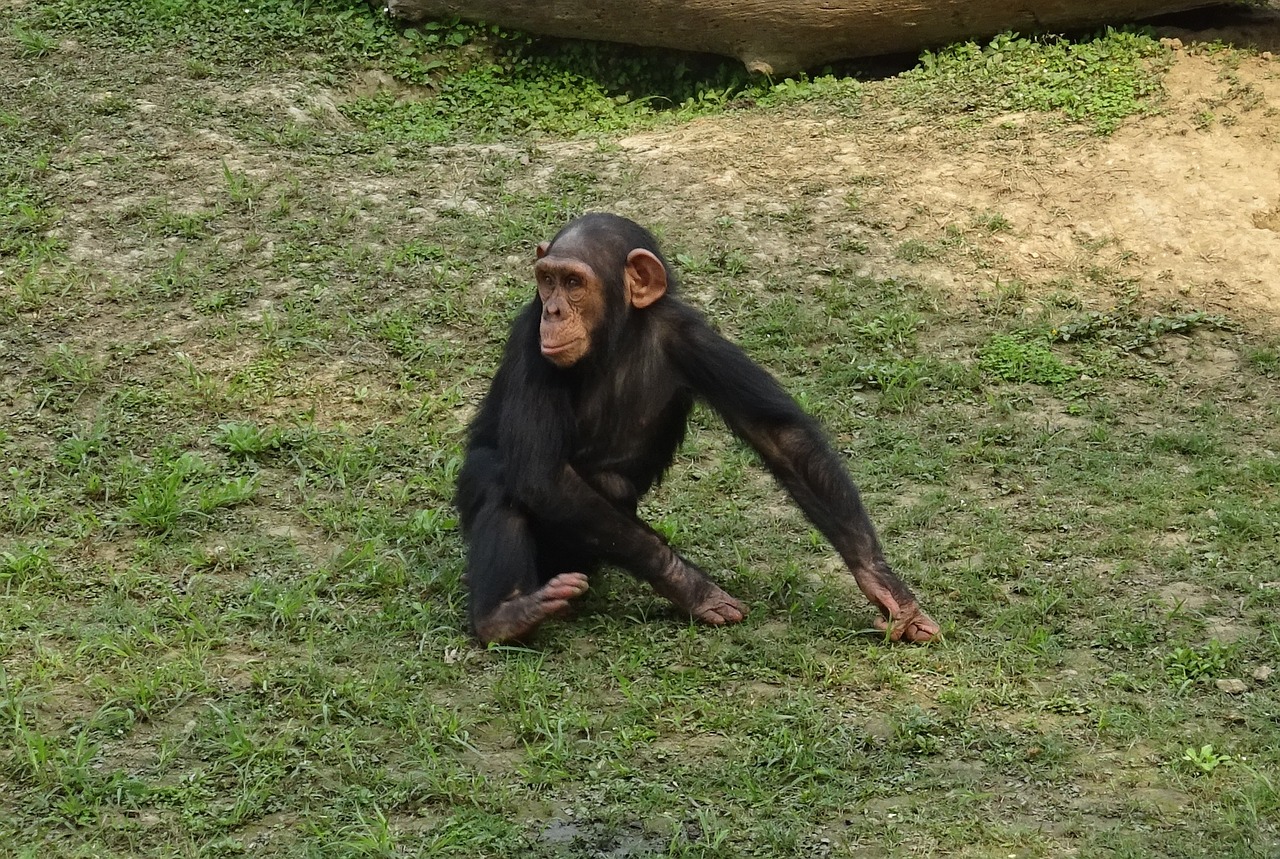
[(585, 414)]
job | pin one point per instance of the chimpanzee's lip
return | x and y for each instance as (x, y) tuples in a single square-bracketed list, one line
[(556, 348)]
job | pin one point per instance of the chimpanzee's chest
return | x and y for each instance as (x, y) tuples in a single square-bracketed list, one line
[(630, 429)]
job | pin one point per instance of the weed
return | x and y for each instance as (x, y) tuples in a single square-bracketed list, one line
[(1123, 328), (67, 367), (1186, 665), (26, 566), (992, 222), (918, 732), (915, 250), (1100, 81), (1014, 358), (25, 220), (246, 440), (181, 488), (1205, 759), (222, 300), (1264, 359), (35, 43)]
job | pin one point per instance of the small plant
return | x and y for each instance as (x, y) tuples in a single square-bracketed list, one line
[(915, 250), (1124, 329), (198, 69), (1020, 359), (182, 488), (890, 329), (241, 189), (413, 252), (1205, 759), (245, 440), (917, 731), (1100, 81), (35, 43), (80, 449), (221, 300), (25, 564), (70, 368), (430, 524), (1186, 665), (183, 225), (1265, 360), (174, 278), (993, 222), (158, 503)]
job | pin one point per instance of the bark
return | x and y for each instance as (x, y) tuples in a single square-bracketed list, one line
[(781, 37)]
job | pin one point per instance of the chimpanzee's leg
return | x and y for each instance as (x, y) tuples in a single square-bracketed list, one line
[(679, 580), (508, 598)]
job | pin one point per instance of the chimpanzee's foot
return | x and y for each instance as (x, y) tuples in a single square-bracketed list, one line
[(690, 589), (518, 616), (719, 608), (909, 623)]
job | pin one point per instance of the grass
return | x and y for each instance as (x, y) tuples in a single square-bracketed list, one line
[(239, 348), (1099, 81)]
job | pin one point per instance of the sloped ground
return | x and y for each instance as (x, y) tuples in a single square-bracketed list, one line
[(1184, 205)]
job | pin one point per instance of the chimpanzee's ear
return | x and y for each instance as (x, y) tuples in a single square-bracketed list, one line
[(646, 278), (543, 247)]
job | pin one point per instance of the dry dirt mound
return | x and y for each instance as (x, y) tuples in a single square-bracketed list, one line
[(1184, 205)]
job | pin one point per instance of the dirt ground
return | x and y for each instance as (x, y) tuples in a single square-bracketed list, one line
[(1184, 206)]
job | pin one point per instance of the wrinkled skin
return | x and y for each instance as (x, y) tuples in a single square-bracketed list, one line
[(519, 615)]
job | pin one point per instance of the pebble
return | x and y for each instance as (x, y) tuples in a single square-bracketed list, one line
[(1231, 687), (1263, 673)]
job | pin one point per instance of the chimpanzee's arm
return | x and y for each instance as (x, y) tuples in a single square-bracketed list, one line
[(796, 451)]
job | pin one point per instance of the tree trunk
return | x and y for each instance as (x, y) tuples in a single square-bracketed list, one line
[(781, 37)]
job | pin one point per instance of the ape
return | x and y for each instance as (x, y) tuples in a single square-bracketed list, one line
[(585, 414)]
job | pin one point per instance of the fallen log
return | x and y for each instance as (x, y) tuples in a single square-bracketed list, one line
[(781, 37)]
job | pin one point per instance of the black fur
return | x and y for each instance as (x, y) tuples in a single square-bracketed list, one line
[(558, 459)]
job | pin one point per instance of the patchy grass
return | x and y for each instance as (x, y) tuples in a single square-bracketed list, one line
[(1099, 81), (243, 328)]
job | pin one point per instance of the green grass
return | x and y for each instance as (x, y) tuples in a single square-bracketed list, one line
[(1021, 359), (1098, 81), (450, 78), (239, 347)]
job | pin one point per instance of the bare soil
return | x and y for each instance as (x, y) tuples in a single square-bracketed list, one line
[(1184, 205)]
